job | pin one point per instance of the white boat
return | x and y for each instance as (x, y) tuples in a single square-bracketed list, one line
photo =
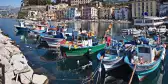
[(154, 24), (132, 31), (162, 29)]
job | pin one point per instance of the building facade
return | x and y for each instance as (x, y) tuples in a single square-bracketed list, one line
[(89, 13), (121, 13), (78, 2), (163, 9), (105, 13), (141, 6), (73, 13)]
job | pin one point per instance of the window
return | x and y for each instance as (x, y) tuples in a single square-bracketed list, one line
[(144, 50)]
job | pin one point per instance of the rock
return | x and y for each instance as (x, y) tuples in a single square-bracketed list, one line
[(13, 49), (8, 77), (14, 82), (19, 62), (5, 61), (39, 79), (5, 53), (26, 78)]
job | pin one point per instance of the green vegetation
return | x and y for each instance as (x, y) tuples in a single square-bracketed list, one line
[(36, 2), (21, 15)]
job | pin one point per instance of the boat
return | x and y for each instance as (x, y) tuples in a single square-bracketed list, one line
[(22, 27), (145, 58), (52, 40), (154, 24), (131, 31), (81, 45), (112, 57)]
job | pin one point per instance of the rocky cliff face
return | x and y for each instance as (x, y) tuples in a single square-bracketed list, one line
[(17, 70)]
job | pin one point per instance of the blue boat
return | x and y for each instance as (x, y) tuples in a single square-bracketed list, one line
[(22, 27), (112, 56), (147, 59)]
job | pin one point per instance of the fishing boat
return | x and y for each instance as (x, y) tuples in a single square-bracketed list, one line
[(145, 59), (81, 46), (22, 27), (52, 40), (112, 57)]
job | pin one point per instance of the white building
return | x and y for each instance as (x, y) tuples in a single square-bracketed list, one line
[(78, 2), (163, 9), (89, 13), (32, 15), (121, 13)]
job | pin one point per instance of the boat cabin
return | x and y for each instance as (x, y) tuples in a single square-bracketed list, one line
[(145, 52)]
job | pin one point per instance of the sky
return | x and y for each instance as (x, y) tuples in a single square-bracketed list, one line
[(15, 3)]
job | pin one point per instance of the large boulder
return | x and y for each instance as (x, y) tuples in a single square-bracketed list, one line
[(39, 79), (14, 82), (26, 77), (8, 77), (5, 53), (19, 61), (5, 62), (12, 49)]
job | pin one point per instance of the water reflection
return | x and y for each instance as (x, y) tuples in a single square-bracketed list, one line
[(24, 37)]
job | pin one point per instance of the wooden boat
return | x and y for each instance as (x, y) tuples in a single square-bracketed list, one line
[(22, 27), (146, 58), (80, 51), (113, 58), (81, 47), (52, 40)]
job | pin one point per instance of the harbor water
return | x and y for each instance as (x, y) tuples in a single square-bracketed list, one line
[(69, 70)]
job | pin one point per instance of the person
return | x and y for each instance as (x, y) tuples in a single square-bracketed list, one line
[(108, 40)]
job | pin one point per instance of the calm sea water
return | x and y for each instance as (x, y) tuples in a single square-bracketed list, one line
[(67, 71)]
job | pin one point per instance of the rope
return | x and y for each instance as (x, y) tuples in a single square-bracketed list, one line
[(96, 70), (132, 74)]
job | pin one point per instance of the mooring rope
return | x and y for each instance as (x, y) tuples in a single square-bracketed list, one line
[(94, 74)]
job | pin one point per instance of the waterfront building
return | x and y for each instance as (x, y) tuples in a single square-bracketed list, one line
[(89, 13), (105, 13), (34, 15), (114, 1), (79, 2), (73, 13), (141, 6), (121, 13), (60, 6), (163, 9), (61, 13), (61, 10), (63, 1)]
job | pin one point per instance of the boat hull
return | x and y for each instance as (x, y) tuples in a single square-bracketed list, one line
[(22, 28), (80, 51), (143, 70), (111, 64)]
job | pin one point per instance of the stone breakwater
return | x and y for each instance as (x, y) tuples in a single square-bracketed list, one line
[(17, 70)]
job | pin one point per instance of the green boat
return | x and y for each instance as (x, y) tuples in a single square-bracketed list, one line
[(80, 51)]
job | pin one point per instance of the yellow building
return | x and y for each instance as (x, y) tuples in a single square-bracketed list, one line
[(141, 6)]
